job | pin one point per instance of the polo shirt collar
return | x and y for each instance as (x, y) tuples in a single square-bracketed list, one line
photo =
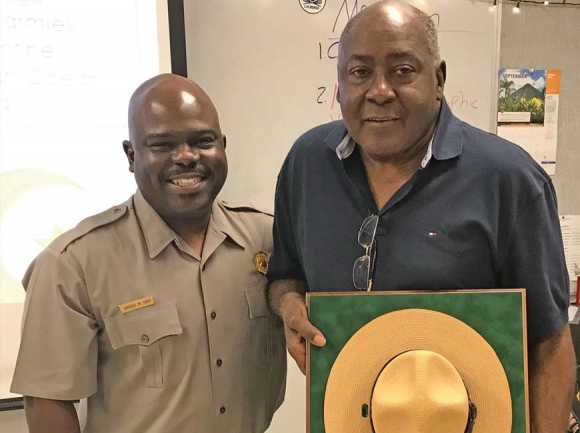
[(447, 142)]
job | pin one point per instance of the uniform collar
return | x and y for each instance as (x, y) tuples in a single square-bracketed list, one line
[(155, 230), (158, 234), (221, 220), (447, 143)]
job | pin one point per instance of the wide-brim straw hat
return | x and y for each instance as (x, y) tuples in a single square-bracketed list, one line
[(417, 370)]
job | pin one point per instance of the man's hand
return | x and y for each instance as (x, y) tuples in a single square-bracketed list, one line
[(298, 328)]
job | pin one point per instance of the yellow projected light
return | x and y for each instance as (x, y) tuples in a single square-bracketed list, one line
[(31, 216)]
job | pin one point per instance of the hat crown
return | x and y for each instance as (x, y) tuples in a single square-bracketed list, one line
[(419, 391)]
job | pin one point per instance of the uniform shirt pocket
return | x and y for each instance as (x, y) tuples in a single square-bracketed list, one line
[(259, 324), (150, 341)]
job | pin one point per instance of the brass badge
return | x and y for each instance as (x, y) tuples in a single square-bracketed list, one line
[(261, 262)]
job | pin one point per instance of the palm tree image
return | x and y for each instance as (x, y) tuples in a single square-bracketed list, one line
[(506, 87)]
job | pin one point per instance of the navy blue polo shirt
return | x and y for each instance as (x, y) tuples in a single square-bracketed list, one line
[(480, 214)]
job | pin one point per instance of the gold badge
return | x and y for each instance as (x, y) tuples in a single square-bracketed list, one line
[(261, 262), (137, 304)]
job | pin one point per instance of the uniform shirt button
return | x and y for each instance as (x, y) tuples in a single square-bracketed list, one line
[(219, 362), (222, 409), (213, 315), (145, 338)]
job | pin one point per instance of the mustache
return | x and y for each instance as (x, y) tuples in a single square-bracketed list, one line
[(178, 171)]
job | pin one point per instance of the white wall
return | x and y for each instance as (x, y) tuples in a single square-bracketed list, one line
[(13, 422), (271, 70)]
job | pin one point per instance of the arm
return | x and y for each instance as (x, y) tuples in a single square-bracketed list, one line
[(534, 259), (287, 301), (279, 289), (552, 378), (50, 416), (57, 358), (288, 284)]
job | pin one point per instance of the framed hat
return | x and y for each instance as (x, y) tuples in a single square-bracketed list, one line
[(436, 361)]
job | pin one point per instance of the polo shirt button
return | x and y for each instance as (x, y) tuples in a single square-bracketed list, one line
[(219, 362), (213, 314), (222, 409), (145, 338)]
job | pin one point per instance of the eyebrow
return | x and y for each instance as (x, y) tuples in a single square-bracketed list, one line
[(391, 56), (402, 54), (157, 135), (360, 57), (169, 135)]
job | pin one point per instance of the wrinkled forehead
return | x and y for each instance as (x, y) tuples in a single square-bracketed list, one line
[(380, 27)]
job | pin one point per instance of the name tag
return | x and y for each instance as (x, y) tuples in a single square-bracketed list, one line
[(137, 304)]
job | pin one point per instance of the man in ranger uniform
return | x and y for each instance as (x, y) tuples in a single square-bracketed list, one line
[(155, 311)]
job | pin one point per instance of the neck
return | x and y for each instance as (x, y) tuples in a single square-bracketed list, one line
[(386, 176), (192, 231)]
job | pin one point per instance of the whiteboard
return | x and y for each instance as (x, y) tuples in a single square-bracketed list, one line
[(67, 71), (270, 68)]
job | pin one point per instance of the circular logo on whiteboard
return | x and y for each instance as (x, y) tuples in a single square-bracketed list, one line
[(312, 6)]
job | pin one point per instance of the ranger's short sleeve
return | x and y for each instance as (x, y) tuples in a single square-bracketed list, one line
[(535, 261), (58, 351)]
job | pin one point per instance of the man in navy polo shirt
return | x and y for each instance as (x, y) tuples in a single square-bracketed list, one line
[(402, 195)]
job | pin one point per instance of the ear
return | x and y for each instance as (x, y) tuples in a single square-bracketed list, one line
[(128, 148), (338, 90), (224, 138), (441, 73)]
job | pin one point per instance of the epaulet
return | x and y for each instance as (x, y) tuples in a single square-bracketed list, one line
[(242, 207), (88, 225)]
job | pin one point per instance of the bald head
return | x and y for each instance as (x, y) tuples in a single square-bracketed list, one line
[(396, 14), (176, 149), (166, 92)]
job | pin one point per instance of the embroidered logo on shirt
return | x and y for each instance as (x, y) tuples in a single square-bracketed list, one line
[(137, 304), (261, 262), (432, 234)]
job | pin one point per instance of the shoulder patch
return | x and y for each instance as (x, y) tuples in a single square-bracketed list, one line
[(240, 207), (88, 225)]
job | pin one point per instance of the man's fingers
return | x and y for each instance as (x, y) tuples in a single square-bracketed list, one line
[(300, 362), (298, 351), (302, 326), (295, 317)]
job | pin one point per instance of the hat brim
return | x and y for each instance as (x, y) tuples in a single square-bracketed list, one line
[(360, 361)]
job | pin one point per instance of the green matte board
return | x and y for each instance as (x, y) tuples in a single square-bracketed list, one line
[(498, 316)]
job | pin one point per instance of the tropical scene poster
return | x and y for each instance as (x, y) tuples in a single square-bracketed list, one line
[(528, 112), (522, 96)]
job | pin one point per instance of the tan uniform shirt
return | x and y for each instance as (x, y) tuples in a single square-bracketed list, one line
[(207, 356)]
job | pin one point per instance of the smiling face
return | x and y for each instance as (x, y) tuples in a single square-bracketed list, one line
[(177, 149), (390, 86)]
